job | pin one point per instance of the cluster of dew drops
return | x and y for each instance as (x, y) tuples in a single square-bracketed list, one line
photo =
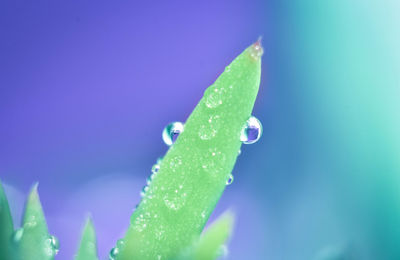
[(250, 133), (52, 244)]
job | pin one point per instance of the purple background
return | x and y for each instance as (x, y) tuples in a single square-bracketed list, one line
[(86, 88)]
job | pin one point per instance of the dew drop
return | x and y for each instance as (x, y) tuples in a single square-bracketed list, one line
[(144, 190), (209, 129), (229, 180), (18, 235), (114, 253), (171, 132), (251, 131), (51, 246), (55, 244), (155, 168)]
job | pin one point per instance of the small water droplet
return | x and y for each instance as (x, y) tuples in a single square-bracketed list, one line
[(229, 180), (171, 132), (18, 235), (155, 168), (54, 243), (51, 246), (239, 152), (251, 131), (144, 190), (114, 253), (210, 128)]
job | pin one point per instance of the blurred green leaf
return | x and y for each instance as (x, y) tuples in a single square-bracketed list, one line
[(32, 240), (211, 244), (88, 248), (6, 226)]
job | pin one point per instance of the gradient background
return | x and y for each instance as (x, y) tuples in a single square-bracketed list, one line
[(86, 88)]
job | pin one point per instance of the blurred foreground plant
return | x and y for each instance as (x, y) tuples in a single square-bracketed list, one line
[(182, 191)]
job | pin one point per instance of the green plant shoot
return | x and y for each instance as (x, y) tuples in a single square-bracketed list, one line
[(193, 174), (88, 248)]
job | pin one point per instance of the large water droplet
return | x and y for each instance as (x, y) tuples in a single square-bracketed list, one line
[(18, 235), (171, 132), (251, 131), (209, 129), (229, 180)]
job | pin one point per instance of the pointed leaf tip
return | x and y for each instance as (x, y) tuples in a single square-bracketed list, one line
[(88, 248), (211, 244), (34, 232)]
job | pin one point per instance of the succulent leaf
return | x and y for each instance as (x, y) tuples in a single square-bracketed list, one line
[(192, 176), (6, 226), (88, 248)]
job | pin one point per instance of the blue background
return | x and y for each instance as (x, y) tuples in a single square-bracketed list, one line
[(86, 88)]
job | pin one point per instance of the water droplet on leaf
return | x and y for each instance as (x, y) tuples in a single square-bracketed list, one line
[(251, 131), (113, 253), (171, 132), (18, 235), (229, 180), (54, 243)]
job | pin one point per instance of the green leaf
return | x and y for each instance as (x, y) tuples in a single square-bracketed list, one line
[(88, 248), (32, 239), (192, 176), (212, 241), (6, 226)]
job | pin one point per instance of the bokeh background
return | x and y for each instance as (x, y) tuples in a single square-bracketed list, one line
[(86, 88)]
